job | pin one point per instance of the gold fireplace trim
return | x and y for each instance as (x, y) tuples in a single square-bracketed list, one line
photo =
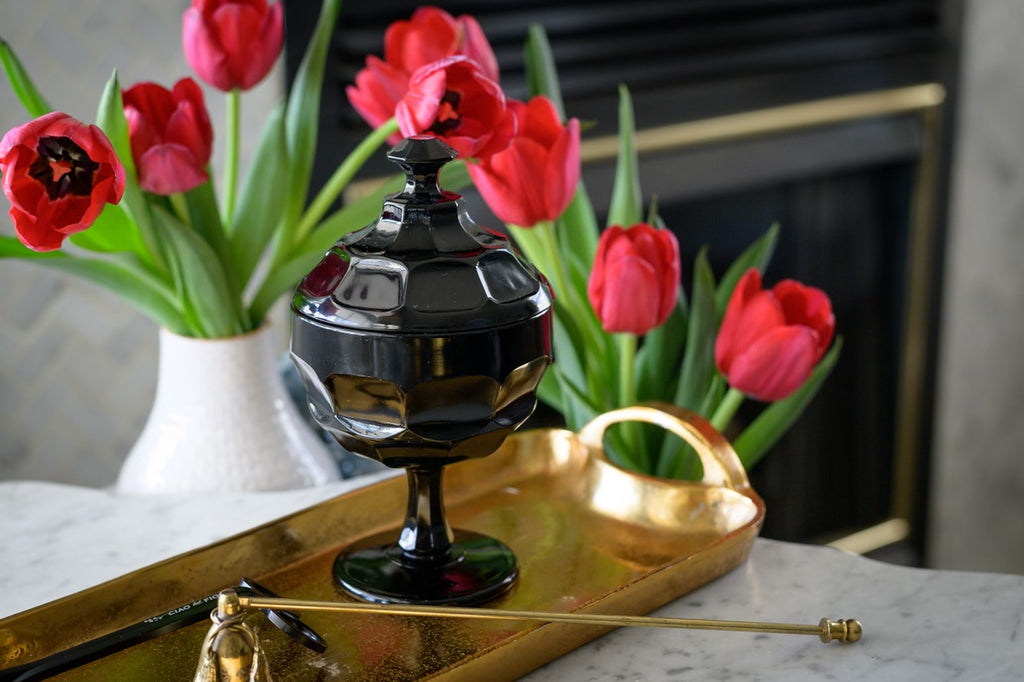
[(772, 121), (924, 101)]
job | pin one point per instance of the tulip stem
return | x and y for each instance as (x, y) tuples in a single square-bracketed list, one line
[(726, 409), (177, 204), (233, 103), (627, 363), (627, 398), (342, 175)]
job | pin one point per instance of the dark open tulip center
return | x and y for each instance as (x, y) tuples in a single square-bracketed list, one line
[(447, 113), (63, 168)]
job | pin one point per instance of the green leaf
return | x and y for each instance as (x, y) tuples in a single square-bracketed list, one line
[(336, 184), (110, 117), (757, 255), (205, 223), (575, 240), (209, 303), (567, 359), (714, 395), (550, 393), (626, 206), (128, 281), (677, 459), (777, 418), (577, 300), (354, 216), (11, 247), (455, 176), (112, 232), (699, 358), (594, 347), (578, 232), (204, 219), (541, 73), (578, 408), (21, 83), (659, 360), (653, 217), (283, 279), (303, 110), (528, 241), (602, 374), (260, 206)]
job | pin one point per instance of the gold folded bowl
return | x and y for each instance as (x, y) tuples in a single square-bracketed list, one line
[(664, 503), (589, 536)]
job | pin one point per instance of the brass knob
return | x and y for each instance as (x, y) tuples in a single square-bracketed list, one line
[(840, 630)]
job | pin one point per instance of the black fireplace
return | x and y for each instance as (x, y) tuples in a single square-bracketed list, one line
[(858, 194)]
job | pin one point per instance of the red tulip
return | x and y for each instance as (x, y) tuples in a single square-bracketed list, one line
[(535, 177), (454, 100), (634, 283), (429, 35), (232, 43), (432, 34), (770, 341), (171, 135), (58, 174), (378, 90)]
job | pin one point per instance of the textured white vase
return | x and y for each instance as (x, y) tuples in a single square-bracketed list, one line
[(222, 420)]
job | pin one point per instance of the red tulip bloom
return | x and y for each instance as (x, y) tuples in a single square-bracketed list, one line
[(378, 90), (535, 177), (171, 135), (454, 100), (770, 341), (429, 35), (232, 43), (634, 283), (432, 34), (58, 174)]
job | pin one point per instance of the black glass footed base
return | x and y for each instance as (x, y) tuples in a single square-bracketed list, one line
[(477, 569)]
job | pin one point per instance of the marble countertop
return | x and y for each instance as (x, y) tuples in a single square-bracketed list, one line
[(918, 624)]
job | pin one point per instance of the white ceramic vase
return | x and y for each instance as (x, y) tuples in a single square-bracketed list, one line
[(222, 420)]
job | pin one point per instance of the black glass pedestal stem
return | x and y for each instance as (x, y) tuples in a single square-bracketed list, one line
[(430, 564), (426, 535)]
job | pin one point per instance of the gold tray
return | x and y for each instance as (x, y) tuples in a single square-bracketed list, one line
[(589, 537)]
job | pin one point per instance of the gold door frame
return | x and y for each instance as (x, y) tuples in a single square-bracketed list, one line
[(925, 101)]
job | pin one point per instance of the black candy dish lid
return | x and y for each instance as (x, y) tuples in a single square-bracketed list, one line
[(424, 266)]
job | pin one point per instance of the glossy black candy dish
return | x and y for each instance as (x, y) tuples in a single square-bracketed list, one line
[(421, 340)]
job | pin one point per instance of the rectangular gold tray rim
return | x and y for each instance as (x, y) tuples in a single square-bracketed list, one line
[(633, 598)]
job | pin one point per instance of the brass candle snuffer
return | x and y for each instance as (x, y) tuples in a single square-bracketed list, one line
[(232, 652)]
